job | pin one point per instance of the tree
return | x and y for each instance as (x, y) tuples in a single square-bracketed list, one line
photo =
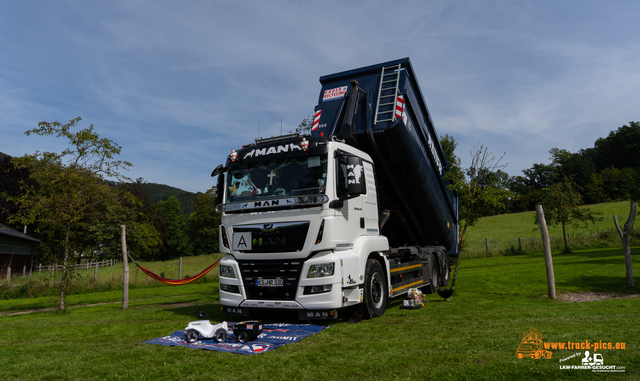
[(143, 229), (562, 207), (204, 222), (12, 175), (304, 128), (143, 240), (577, 166), (68, 195), (176, 239), (454, 166), (540, 176), (478, 186), (625, 236), (619, 149)]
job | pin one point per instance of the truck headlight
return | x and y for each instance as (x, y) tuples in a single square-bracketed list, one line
[(321, 270), (227, 271)]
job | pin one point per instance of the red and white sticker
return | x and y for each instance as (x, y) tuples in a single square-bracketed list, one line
[(401, 111), (316, 120), (336, 93)]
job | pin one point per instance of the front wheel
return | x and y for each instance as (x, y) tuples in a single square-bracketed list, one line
[(375, 290), (191, 335), (220, 336)]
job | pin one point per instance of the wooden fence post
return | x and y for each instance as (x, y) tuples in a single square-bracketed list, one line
[(551, 280), (180, 269), (8, 275), (95, 274), (625, 237), (125, 262)]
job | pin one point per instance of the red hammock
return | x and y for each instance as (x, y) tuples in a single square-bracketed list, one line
[(174, 282)]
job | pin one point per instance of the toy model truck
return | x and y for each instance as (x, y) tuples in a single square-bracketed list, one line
[(354, 214)]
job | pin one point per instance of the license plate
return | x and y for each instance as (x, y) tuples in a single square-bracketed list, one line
[(278, 282)]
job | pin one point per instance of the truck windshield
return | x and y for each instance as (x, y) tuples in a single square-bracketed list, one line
[(291, 176)]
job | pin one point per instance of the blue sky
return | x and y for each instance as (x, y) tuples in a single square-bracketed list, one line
[(179, 83)]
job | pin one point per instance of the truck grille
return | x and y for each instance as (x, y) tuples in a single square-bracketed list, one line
[(289, 271), (285, 237)]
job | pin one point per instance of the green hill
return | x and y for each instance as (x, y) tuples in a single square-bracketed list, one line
[(503, 231), (161, 192)]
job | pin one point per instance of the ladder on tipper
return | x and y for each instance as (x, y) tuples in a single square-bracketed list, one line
[(387, 94)]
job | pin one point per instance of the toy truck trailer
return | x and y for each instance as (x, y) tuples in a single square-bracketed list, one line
[(355, 214)]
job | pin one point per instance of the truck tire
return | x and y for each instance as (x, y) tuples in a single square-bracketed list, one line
[(375, 290), (191, 335), (445, 272), (434, 275), (220, 336)]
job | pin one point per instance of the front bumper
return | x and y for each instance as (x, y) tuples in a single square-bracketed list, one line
[(295, 293)]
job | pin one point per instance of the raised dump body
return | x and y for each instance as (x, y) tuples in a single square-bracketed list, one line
[(380, 110)]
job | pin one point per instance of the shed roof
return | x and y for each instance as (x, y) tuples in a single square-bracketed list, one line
[(5, 230)]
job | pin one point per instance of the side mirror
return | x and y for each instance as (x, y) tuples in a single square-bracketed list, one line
[(219, 169), (220, 189)]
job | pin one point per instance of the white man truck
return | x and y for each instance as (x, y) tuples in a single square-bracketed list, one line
[(351, 215)]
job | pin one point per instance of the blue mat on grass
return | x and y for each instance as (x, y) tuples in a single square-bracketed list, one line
[(273, 336)]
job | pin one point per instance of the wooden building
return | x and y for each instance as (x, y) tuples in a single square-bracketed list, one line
[(16, 250)]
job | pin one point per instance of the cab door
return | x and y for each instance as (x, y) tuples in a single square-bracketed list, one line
[(351, 186)]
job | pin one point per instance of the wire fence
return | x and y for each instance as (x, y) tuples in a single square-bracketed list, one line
[(10, 273)]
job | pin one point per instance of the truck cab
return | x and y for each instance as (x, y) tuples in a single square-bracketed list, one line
[(297, 213)]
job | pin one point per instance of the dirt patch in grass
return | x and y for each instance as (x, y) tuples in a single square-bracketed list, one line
[(576, 297)]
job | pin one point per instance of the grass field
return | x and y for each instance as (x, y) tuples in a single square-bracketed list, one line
[(497, 300), (503, 231)]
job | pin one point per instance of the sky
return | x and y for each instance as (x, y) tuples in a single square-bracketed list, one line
[(178, 84)]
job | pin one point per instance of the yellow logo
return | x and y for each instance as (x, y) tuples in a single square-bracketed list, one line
[(532, 346)]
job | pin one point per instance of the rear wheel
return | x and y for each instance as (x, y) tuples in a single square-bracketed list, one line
[(243, 337), (375, 289), (220, 336), (445, 273), (435, 278)]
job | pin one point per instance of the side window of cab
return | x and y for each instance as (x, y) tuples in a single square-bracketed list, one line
[(351, 182)]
